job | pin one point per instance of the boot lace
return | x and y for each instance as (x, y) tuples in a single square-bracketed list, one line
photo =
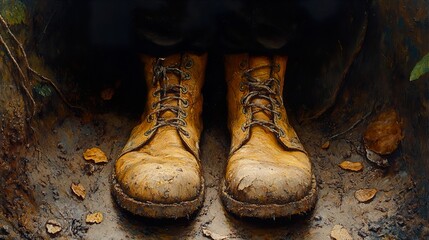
[(167, 93), (268, 89)]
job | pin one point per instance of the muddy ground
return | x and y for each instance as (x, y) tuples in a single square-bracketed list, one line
[(56, 162)]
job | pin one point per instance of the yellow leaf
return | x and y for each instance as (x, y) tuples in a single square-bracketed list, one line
[(366, 194), (96, 217), (95, 154), (53, 226), (326, 145), (351, 166), (79, 190)]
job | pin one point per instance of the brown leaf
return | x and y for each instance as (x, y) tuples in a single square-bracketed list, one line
[(340, 233), (107, 94), (326, 145), (53, 226), (384, 133), (366, 194), (96, 217), (351, 166), (95, 154), (79, 190)]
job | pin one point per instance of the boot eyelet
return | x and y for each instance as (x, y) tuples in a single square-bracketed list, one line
[(186, 76), (184, 90), (189, 63), (185, 103), (242, 87), (154, 105), (149, 118)]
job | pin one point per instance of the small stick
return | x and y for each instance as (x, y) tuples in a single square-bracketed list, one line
[(350, 128)]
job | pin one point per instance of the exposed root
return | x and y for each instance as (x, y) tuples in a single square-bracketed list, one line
[(27, 71)]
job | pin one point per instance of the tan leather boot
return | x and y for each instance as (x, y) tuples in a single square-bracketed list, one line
[(158, 173), (268, 174)]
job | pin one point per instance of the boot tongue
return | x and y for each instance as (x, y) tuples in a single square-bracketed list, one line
[(261, 74)]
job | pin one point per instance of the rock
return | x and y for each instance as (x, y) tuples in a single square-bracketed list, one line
[(212, 235), (377, 159), (340, 233), (374, 227)]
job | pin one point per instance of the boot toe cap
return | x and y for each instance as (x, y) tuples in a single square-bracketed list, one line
[(268, 183), (158, 179)]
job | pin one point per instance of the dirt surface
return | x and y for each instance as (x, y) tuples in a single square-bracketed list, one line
[(57, 162)]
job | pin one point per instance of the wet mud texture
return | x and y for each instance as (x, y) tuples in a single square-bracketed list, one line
[(57, 163), (36, 173)]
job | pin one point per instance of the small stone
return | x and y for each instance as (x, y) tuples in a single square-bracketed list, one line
[(60, 145), (318, 218), (340, 233), (362, 233), (374, 227)]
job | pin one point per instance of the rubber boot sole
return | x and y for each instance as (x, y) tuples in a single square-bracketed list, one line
[(244, 209), (183, 209)]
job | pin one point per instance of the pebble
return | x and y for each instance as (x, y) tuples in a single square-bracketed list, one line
[(374, 227)]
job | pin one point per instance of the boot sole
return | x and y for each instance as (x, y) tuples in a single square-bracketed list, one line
[(244, 209), (183, 209)]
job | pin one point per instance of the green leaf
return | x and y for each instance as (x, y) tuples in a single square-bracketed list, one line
[(13, 11), (43, 90), (421, 68)]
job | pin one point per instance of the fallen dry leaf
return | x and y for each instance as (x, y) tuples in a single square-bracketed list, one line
[(366, 194), (107, 94), (53, 226), (384, 133), (79, 190), (96, 217), (340, 233), (95, 154), (326, 145), (351, 166)]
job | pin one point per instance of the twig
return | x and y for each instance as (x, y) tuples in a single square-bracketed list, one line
[(350, 128)]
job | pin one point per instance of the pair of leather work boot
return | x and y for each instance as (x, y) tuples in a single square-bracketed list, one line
[(268, 175)]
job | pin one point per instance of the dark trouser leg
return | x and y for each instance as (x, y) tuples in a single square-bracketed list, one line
[(168, 26)]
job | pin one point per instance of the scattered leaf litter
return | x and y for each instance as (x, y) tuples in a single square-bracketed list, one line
[(351, 166), (96, 217), (79, 190), (53, 226), (95, 154), (365, 195)]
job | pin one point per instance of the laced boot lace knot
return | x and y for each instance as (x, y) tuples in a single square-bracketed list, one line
[(167, 94), (265, 89)]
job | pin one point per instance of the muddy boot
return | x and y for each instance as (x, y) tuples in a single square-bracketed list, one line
[(158, 173), (268, 174)]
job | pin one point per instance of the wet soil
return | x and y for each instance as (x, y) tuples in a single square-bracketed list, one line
[(57, 162)]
